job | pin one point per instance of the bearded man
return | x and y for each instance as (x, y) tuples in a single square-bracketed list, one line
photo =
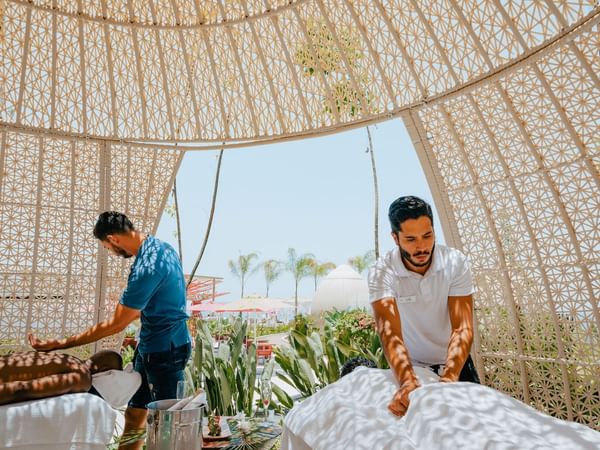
[(421, 294)]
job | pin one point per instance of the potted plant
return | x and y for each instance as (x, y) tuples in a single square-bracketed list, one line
[(130, 338)]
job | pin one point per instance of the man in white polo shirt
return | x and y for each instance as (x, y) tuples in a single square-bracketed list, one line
[(421, 295)]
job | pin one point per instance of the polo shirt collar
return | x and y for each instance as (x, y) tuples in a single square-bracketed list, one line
[(436, 263)]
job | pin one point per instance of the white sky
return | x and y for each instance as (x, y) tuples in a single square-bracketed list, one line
[(313, 195)]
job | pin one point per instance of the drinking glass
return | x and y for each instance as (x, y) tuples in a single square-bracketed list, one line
[(265, 398), (181, 389)]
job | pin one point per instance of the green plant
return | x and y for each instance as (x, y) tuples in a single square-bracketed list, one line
[(356, 335), (123, 439), (311, 362), (314, 356), (228, 376), (127, 354), (299, 267), (318, 270), (303, 325), (243, 268), (361, 263), (221, 327), (264, 330), (272, 270)]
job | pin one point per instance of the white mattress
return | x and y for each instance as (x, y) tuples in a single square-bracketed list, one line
[(352, 414), (67, 422)]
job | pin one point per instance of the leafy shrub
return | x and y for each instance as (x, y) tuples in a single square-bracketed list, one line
[(314, 356), (229, 376)]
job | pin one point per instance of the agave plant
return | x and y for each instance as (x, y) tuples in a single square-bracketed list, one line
[(229, 376), (314, 357), (308, 364)]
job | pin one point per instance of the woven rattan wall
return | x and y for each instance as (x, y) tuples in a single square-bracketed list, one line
[(54, 281)]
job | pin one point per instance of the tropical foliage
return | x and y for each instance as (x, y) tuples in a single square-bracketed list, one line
[(318, 270), (355, 335), (331, 56), (315, 355), (225, 327), (310, 363), (362, 262), (229, 376), (299, 267), (272, 269), (243, 268)]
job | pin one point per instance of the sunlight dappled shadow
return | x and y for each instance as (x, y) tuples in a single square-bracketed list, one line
[(352, 414)]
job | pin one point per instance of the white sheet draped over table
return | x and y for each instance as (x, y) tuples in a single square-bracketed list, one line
[(352, 414), (67, 422)]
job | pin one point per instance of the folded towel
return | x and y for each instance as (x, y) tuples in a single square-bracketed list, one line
[(117, 386)]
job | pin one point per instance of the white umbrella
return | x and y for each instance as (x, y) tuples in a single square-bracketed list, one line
[(255, 304)]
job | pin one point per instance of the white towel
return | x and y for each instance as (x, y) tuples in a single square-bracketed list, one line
[(117, 386)]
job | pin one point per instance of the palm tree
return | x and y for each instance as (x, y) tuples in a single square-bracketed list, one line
[(360, 263), (272, 269), (243, 268), (299, 266), (319, 270)]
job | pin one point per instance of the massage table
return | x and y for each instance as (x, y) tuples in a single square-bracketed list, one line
[(67, 422), (352, 414)]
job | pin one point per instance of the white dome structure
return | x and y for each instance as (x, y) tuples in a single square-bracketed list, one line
[(343, 288)]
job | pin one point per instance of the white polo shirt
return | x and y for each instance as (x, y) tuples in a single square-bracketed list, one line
[(423, 300)]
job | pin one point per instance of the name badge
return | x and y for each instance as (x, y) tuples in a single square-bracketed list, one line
[(409, 299)]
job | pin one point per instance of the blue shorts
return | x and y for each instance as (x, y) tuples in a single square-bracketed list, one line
[(160, 373)]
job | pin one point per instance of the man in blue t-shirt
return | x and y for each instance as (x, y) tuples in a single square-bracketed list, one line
[(155, 294)]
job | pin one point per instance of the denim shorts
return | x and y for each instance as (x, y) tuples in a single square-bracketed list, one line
[(160, 373)]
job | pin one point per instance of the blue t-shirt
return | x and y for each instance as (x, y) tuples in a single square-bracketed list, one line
[(156, 286)]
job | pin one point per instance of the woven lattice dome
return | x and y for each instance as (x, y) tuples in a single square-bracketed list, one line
[(501, 99)]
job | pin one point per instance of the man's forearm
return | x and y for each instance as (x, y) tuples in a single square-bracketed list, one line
[(458, 352), (398, 359), (92, 334), (389, 327)]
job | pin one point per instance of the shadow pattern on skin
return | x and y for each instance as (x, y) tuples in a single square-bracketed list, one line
[(32, 375)]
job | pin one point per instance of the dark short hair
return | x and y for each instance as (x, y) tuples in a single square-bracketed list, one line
[(106, 360), (355, 362), (408, 207), (112, 222)]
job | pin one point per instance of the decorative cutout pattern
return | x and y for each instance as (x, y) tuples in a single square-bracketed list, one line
[(53, 279), (149, 71), (518, 157)]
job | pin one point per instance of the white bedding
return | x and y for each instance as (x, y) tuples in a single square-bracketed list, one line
[(352, 414), (67, 422)]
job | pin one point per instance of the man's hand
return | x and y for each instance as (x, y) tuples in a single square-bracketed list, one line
[(448, 378), (44, 345), (399, 404)]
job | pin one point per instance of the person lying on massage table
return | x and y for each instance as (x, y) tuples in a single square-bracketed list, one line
[(35, 375)]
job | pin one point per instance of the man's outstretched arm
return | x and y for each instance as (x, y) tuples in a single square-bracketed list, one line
[(460, 310), (387, 319), (122, 317)]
